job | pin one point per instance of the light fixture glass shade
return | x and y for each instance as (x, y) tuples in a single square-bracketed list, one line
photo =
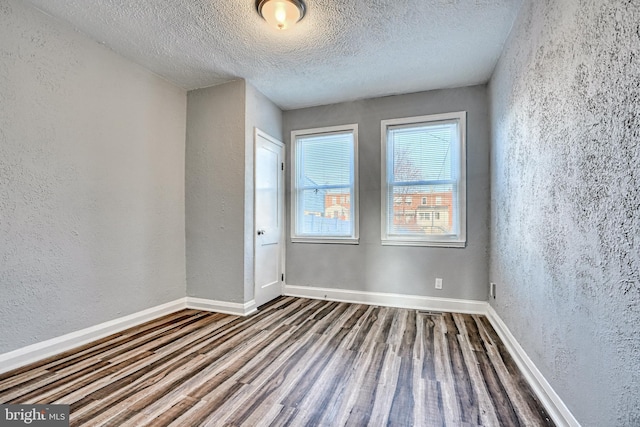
[(281, 14)]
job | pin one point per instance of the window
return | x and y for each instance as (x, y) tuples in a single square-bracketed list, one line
[(324, 183), (425, 157)]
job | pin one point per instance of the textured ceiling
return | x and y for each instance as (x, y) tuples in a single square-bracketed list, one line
[(342, 50)]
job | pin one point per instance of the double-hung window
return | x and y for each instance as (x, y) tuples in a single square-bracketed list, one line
[(324, 185), (423, 158)]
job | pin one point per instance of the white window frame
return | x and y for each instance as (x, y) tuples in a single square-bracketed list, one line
[(301, 238), (457, 240)]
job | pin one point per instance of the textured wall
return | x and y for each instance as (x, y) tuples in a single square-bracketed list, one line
[(219, 187), (91, 182), (566, 200), (370, 266), (215, 192), (263, 114)]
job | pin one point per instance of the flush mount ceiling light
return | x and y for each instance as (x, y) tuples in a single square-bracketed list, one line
[(281, 14)]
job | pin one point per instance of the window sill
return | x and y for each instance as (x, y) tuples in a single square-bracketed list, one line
[(435, 244), (325, 240)]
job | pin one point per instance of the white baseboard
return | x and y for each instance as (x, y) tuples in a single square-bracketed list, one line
[(389, 300), (42, 350), (235, 308), (541, 387), (32, 353)]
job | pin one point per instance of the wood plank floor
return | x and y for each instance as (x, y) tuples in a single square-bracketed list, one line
[(297, 362)]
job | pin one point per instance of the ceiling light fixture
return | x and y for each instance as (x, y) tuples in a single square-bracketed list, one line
[(281, 14)]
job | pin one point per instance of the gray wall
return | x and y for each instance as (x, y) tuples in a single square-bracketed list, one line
[(404, 270), (565, 221), (91, 182), (215, 192), (219, 187)]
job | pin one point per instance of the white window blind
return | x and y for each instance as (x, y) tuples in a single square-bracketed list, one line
[(324, 183), (424, 160)]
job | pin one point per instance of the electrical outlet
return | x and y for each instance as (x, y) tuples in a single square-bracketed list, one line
[(438, 283), (492, 290)]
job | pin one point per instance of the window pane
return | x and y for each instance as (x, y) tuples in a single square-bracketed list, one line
[(423, 153), (431, 211), (326, 159), (326, 213)]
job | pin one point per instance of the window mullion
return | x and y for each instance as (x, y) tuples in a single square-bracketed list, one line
[(324, 187), (418, 183)]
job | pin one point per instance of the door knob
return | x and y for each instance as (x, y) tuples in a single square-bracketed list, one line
[(261, 232)]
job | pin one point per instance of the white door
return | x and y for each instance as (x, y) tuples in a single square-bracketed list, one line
[(269, 217)]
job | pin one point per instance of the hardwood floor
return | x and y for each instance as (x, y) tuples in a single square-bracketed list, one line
[(297, 362)]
